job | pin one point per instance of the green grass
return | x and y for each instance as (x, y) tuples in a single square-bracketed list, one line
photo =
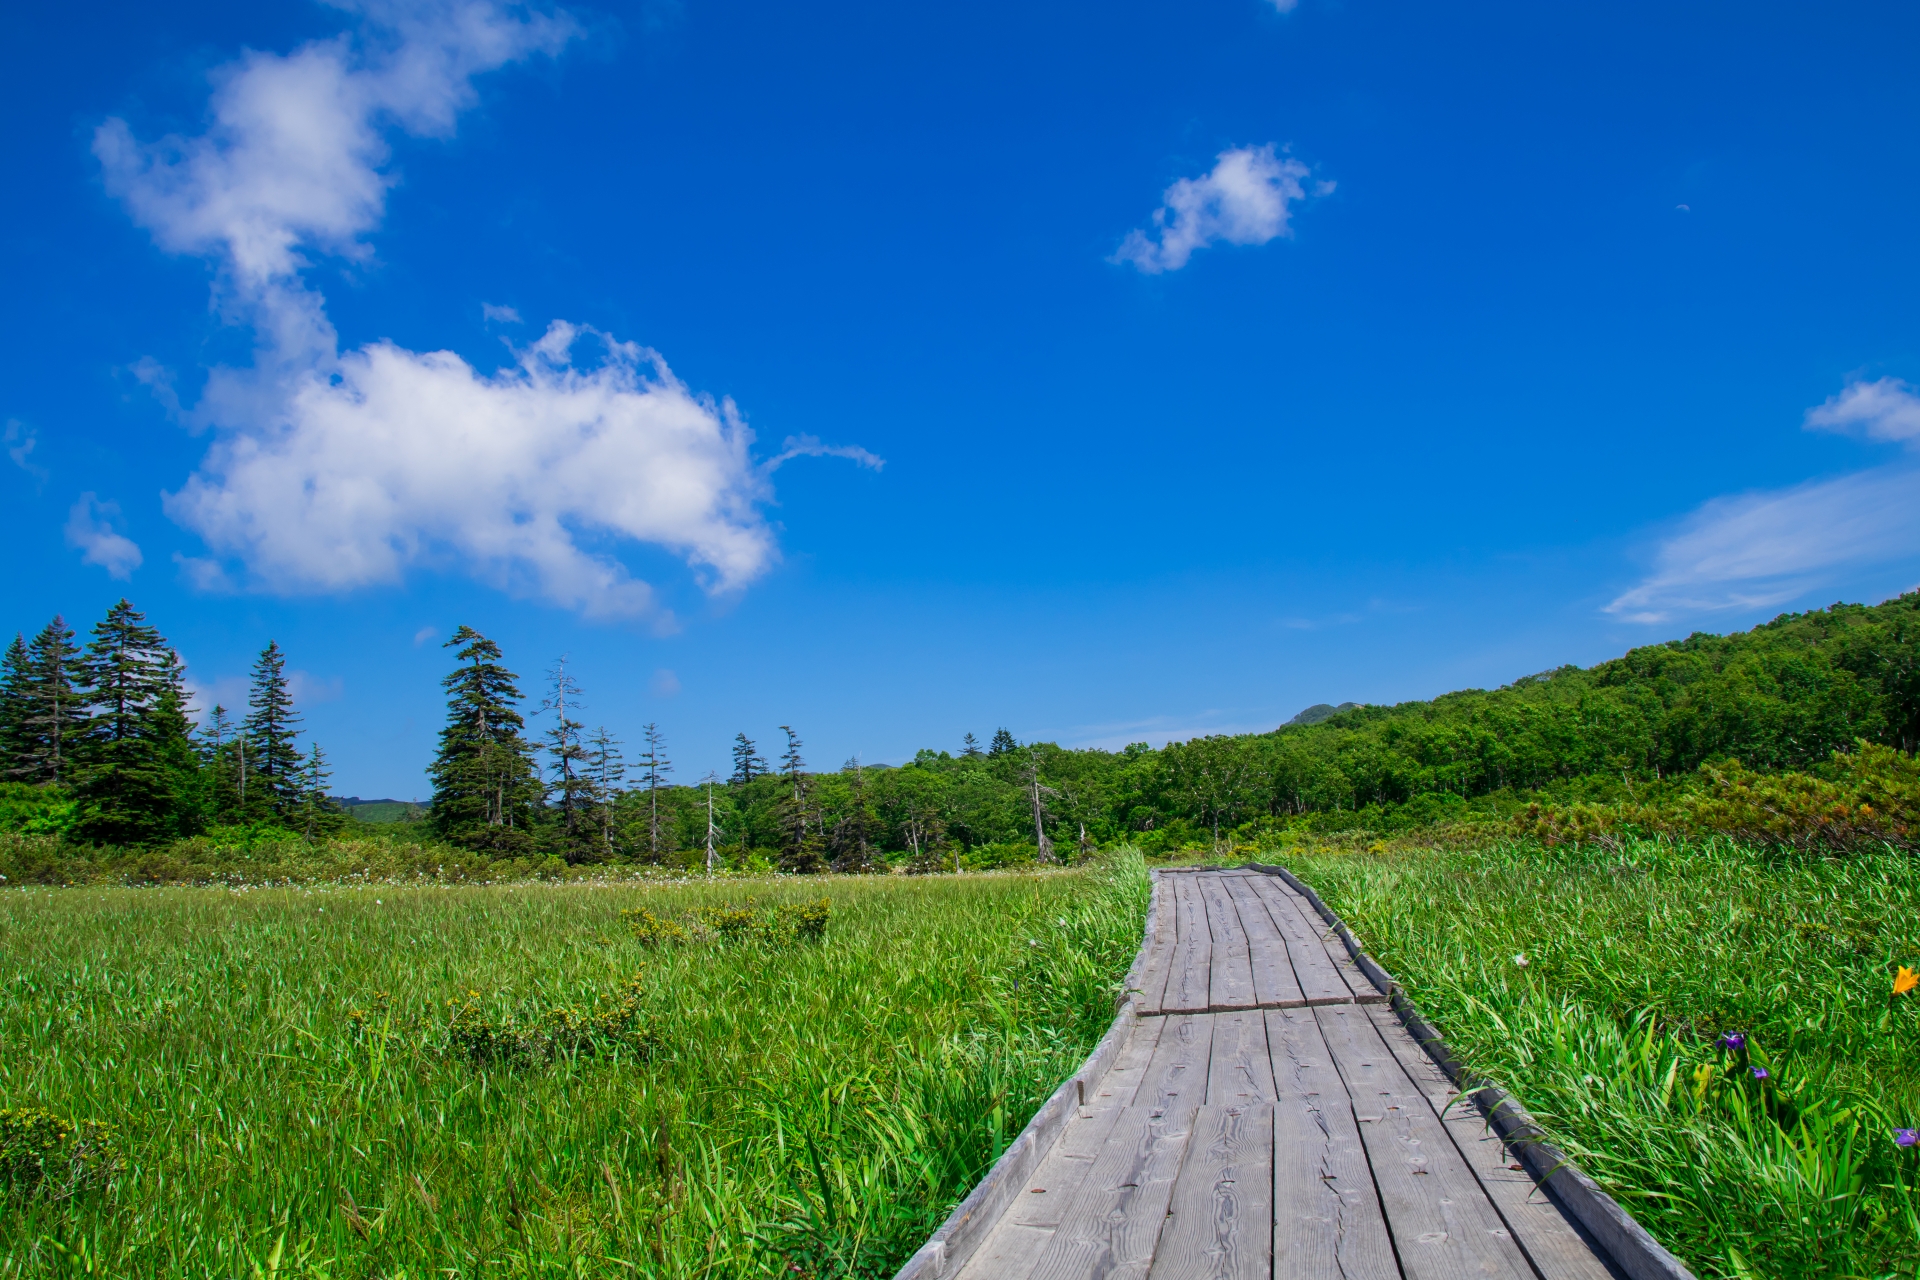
[(1637, 961), (293, 1098)]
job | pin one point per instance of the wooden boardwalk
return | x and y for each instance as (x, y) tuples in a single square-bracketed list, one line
[(1260, 1112)]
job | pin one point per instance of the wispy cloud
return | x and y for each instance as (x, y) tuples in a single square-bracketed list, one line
[(90, 528), (1757, 550), (340, 470), (499, 315), (20, 441), (1247, 198)]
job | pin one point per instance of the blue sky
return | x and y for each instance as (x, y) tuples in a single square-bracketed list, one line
[(1108, 372)]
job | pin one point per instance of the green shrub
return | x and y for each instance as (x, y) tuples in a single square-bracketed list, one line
[(45, 1154)]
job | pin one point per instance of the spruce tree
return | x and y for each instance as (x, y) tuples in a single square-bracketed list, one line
[(273, 761), (223, 751), (800, 841), (747, 762), (853, 834), (319, 815), (970, 748), (656, 766), (137, 773), (50, 713), (1002, 743), (485, 786), (569, 754), (608, 769), (16, 681)]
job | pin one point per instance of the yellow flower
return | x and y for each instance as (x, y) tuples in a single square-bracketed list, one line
[(1905, 981)]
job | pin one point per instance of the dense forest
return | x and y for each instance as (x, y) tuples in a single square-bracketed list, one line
[(100, 747)]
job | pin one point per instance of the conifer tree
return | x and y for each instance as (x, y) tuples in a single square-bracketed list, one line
[(656, 766), (137, 773), (1003, 742), (15, 682), (318, 813), (485, 786), (970, 748), (747, 761), (570, 776), (273, 762), (223, 751), (800, 837), (853, 834), (49, 713), (608, 769)]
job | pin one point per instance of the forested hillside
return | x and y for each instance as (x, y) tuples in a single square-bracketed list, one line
[(100, 750)]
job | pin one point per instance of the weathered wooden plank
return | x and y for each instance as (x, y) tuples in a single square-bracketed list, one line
[(1192, 967), (1443, 1225), (1241, 1067), (1320, 981), (1112, 1225), (1151, 984), (1327, 1216), (1230, 985), (1363, 988), (1274, 984), (1554, 1245), (1220, 1218), (1177, 1074), (1017, 1242)]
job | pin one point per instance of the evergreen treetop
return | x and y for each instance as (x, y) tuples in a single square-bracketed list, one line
[(485, 787), (273, 761)]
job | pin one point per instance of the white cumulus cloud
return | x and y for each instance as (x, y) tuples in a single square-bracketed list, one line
[(1757, 550), (395, 458), (334, 470), (90, 528), (1247, 198)]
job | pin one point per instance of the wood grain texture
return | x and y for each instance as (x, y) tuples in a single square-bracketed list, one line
[(1177, 1073), (1241, 1066), (1443, 1225), (1364, 989), (1014, 1247), (1274, 984), (1220, 1218), (1192, 962), (1326, 1213), (1554, 1245), (1151, 986), (1230, 985), (1113, 1224), (1320, 980)]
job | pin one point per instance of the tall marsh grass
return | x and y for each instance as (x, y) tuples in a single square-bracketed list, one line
[(1711, 1030), (293, 1077)]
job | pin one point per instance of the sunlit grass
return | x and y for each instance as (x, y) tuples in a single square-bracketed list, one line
[(1636, 962), (279, 1064)]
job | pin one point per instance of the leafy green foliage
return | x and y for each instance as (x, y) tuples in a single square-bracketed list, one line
[(1638, 959), (42, 1154)]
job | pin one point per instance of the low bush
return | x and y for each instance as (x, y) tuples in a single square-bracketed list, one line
[(48, 1155)]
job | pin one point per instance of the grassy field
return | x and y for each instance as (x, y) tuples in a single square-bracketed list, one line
[(1597, 985), (464, 1081)]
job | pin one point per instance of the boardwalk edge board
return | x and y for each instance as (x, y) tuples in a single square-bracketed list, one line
[(950, 1246), (1624, 1241)]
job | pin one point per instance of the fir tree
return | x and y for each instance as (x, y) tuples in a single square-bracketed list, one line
[(137, 774), (16, 682), (273, 762), (657, 766), (318, 813), (484, 783), (800, 837), (569, 755), (747, 761), (223, 750), (853, 834), (49, 713), (608, 769), (970, 748), (1002, 744)]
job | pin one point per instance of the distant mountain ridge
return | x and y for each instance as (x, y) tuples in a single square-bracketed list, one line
[(1320, 711)]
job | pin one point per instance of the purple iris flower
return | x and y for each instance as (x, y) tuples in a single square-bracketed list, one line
[(1759, 1073), (1733, 1042), (1906, 1137)]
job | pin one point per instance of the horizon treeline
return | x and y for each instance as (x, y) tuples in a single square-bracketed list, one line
[(1783, 696), (104, 734)]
